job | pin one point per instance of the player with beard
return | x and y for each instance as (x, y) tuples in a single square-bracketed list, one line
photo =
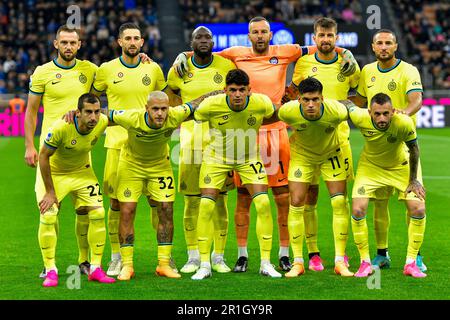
[(324, 66), (401, 82), (266, 66), (127, 83), (57, 85), (207, 72)]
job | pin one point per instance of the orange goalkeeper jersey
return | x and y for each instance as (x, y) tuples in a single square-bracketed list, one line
[(267, 72)]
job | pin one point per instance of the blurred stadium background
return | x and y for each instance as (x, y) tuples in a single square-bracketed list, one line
[(27, 30)]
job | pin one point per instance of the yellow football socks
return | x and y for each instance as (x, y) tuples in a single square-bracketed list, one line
[(97, 234), (381, 221), (296, 230), (47, 237), (340, 223), (416, 230), (113, 230), (207, 206), (361, 237), (81, 232), (311, 227), (264, 224)]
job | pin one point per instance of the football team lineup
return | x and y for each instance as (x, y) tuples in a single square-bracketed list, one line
[(233, 109)]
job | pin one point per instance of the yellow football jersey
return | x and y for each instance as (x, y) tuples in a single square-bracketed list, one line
[(313, 140), (72, 147), (60, 88), (126, 87), (384, 148), (197, 82), (397, 81), (233, 133), (144, 144), (335, 84)]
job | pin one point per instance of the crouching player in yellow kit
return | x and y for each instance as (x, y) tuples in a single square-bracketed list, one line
[(384, 163), (315, 148), (234, 119), (144, 164), (65, 166)]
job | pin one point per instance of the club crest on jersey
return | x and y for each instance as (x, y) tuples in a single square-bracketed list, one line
[(314, 69), (73, 142), (127, 193), (329, 129), (218, 78), (340, 77), (391, 139), (190, 75), (207, 180), (58, 76), (298, 173), (303, 125), (373, 79), (273, 60), (392, 85), (146, 80), (82, 78), (361, 191), (251, 121), (225, 117), (49, 136), (120, 74)]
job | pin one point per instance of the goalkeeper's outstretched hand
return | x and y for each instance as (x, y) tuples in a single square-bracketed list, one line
[(180, 65), (348, 63)]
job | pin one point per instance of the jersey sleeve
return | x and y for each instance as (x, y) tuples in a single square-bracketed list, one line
[(230, 53), (293, 51), (173, 81), (160, 80), (124, 118), (270, 107), (413, 82), (100, 84), (54, 136), (357, 115), (285, 112), (361, 84), (37, 82), (181, 113), (202, 112), (410, 131), (341, 111), (297, 76), (354, 78)]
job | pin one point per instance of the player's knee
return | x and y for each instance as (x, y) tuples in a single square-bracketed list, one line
[(338, 204), (97, 214), (262, 204), (312, 195), (359, 212), (297, 200), (417, 210), (49, 218), (114, 204)]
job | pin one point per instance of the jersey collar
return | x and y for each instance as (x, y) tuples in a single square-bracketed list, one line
[(246, 104), (389, 69), (202, 66), (130, 65), (64, 67), (326, 61), (148, 123), (321, 112), (75, 121)]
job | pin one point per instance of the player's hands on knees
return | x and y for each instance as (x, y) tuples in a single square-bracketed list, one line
[(348, 63), (31, 157), (145, 58), (180, 65), (69, 116), (416, 187), (47, 202)]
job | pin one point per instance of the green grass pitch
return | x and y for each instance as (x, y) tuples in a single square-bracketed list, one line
[(20, 259)]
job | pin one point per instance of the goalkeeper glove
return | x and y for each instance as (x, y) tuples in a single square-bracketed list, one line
[(348, 63), (180, 65)]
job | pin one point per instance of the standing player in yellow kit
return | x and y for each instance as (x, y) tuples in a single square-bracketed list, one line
[(127, 83), (325, 66), (57, 85), (207, 72), (401, 82)]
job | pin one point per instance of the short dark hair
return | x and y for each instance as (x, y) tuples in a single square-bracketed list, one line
[(66, 28), (87, 98), (326, 23), (310, 85), (384, 31), (128, 25), (257, 19), (380, 98), (238, 77)]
